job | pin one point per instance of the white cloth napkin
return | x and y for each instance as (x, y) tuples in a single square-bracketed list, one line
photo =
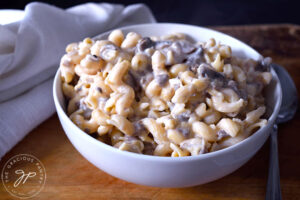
[(30, 52)]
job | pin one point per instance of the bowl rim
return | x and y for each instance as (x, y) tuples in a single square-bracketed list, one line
[(229, 149)]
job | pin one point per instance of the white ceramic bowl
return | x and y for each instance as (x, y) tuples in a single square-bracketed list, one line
[(168, 171)]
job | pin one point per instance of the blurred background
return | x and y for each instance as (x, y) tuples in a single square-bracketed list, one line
[(201, 12)]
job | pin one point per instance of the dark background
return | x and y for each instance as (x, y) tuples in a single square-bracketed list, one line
[(202, 12)]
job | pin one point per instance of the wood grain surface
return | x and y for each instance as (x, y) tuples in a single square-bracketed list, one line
[(70, 176)]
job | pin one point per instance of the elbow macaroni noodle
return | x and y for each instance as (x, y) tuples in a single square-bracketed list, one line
[(163, 96)]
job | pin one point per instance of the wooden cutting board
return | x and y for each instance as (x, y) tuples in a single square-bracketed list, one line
[(70, 176)]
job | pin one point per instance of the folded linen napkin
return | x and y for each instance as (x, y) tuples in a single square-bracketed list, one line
[(30, 52)]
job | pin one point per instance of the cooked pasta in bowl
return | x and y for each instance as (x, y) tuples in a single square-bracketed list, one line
[(182, 91)]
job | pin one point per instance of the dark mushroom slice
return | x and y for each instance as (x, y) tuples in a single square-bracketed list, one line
[(87, 112), (132, 79), (242, 93), (183, 117), (217, 79), (139, 128), (264, 65), (194, 59), (149, 148), (185, 131), (162, 79), (144, 44)]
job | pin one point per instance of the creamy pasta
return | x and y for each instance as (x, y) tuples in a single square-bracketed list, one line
[(163, 96)]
